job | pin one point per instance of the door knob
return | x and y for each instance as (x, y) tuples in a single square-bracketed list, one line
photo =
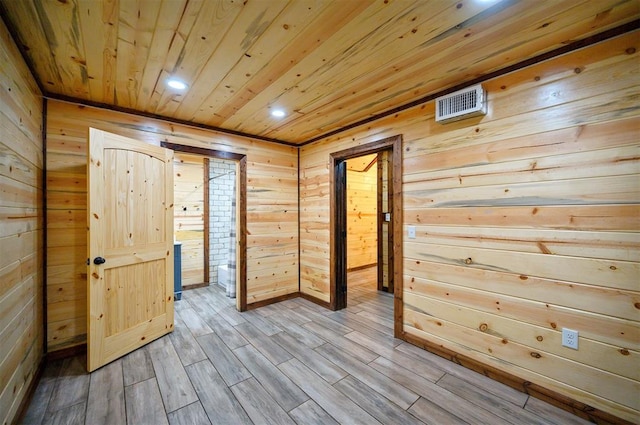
[(99, 260)]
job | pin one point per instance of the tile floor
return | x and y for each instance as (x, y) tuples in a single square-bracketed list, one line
[(288, 363)]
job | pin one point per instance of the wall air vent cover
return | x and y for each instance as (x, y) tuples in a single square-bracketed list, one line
[(465, 103)]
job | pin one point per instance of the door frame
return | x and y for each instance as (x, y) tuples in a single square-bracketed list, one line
[(337, 219), (241, 212)]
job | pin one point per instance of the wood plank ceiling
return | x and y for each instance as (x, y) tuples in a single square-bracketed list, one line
[(327, 63)]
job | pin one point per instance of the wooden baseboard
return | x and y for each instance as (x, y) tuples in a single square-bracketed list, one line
[(315, 300), (194, 286), (76, 350), (366, 266), (566, 403), (288, 297), (262, 303)]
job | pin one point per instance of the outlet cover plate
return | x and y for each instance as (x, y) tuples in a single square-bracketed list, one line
[(412, 232), (570, 338)]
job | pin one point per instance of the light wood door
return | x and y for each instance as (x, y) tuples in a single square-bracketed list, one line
[(130, 267)]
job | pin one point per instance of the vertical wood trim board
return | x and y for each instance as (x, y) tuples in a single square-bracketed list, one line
[(206, 213), (271, 205), (527, 221), (382, 229), (21, 229), (242, 236)]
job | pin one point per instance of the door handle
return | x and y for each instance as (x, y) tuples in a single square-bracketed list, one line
[(99, 260)]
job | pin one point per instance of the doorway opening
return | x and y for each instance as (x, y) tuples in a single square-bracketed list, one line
[(190, 222), (367, 208), (210, 219), (220, 250), (387, 209)]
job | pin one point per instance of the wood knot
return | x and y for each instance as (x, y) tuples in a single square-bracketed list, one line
[(613, 268), (468, 261), (539, 338), (553, 325), (624, 351), (577, 70), (523, 277), (483, 327), (637, 305), (95, 275), (630, 50), (536, 355)]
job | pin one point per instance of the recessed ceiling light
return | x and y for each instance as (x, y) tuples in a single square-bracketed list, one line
[(176, 84), (278, 113)]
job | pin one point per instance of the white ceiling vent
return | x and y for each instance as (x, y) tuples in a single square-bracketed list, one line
[(464, 103)]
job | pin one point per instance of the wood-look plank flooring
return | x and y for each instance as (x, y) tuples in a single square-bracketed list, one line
[(289, 363)]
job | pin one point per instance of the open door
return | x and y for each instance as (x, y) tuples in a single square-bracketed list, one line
[(130, 240), (341, 234)]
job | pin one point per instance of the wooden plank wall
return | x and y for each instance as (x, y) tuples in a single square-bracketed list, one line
[(189, 212), (272, 208), (362, 207), (21, 228), (528, 221)]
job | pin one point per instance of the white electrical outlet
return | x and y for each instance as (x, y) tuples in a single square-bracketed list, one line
[(412, 232), (570, 338)]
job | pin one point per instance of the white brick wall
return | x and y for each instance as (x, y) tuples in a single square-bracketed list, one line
[(221, 189)]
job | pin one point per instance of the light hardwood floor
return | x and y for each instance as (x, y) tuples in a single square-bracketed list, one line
[(286, 363)]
